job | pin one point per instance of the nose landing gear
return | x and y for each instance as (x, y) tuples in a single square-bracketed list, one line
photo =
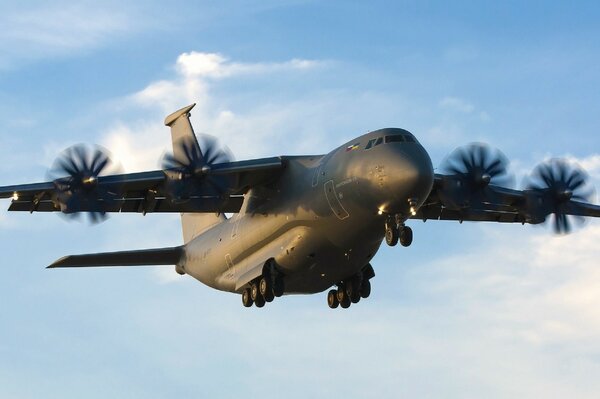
[(396, 230)]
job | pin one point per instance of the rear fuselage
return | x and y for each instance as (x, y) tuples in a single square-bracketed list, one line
[(322, 220)]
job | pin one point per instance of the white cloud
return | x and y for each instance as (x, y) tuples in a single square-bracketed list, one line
[(194, 70), (213, 65), (251, 132)]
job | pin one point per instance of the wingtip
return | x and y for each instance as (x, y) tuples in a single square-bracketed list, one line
[(57, 263)]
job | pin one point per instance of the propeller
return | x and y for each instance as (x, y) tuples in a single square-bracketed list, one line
[(470, 169), (551, 186), (75, 174), (190, 166)]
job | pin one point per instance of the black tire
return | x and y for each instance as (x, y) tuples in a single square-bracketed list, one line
[(365, 289), (391, 235), (278, 287), (254, 291), (406, 236), (259, 301), (341, 293), (352, 290), (265, 286), (332, 300), (247, 298), (269, 296), (346, 302)]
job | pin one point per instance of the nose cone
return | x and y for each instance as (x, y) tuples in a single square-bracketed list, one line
[(409, 179)]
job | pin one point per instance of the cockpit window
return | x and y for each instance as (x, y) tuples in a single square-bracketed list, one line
[(397, 138), (379, 141), (400, 138)]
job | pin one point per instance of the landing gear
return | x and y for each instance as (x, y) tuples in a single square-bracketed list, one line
[(247, 298), (391, 234), (365, 289), (396, 230), (264, 288), (343, 297), (332, 300), (259, 301), (406, 236), (278, 287), (255, 296), (351, 290)]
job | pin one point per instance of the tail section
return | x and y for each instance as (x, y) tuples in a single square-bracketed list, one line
[(181, 129)]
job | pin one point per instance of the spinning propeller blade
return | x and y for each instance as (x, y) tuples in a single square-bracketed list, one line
[(75, 174), (190, 165), (469, 170), (557, 182)]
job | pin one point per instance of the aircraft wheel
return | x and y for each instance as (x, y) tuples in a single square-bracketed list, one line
[(391, 235), (341, 293), (278, 287), (266, 287), (269, 296), (254, 291), (259, 301), (365, 289), (346, 302), (352, 290), (247, 298), (332, 300), (406, 236)]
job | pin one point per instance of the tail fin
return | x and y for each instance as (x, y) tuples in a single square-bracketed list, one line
[(193, 223)]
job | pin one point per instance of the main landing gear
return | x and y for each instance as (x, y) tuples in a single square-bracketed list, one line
[(351, 290), (395, 231), (265, 288)]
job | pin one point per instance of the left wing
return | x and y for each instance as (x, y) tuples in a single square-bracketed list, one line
[(451, 199), (472, 189)]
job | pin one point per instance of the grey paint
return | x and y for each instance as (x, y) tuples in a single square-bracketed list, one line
[(319, 231)]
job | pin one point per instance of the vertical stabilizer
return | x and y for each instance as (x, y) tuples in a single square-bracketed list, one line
[(181, 129)]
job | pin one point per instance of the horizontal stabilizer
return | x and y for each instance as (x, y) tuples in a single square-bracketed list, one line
[(144, 257)]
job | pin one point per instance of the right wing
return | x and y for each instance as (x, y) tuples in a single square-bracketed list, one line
[(147, 192), (144, 257)]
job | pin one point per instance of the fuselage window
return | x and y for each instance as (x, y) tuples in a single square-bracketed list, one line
[(397, 138)]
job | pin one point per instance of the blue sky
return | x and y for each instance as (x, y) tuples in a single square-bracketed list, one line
[(469, 310)]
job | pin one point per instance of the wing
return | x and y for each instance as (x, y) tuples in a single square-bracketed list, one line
[(498, 204), (144, 257), (147, 192)]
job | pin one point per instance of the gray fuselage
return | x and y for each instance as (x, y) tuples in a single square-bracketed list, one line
[(322, 220)]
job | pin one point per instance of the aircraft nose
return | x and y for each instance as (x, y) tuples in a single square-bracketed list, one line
[(410, 177)]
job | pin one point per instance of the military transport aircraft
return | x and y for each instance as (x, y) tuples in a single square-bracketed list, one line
[(300, 224)]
